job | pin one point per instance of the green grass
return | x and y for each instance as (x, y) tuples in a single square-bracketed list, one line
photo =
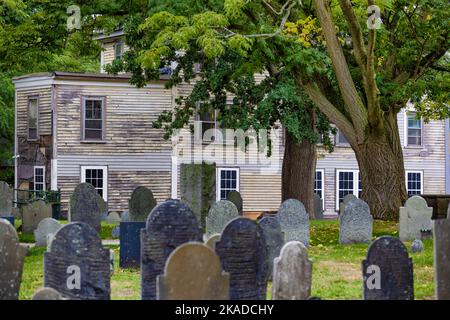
[(336, 268)]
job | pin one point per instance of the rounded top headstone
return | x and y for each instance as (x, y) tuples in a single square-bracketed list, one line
[(219, 215), (416, 202), (235, 197), (7, 231), (291, 252), (47, 294), (349, 197), (291, 209), (355, 210), (172, 210), (384, 247), (141, 204)]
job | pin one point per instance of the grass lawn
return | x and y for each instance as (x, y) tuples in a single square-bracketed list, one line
[(336, 268)]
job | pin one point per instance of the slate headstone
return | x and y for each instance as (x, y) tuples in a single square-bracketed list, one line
[(12, 255), (441, 228), (141, 204), (219, 215), (77, 265), (130, 244), (169, 225), (6, 199), (243, 253), (414, 217), (318, 207), (211, 241), (46, 227), (113, 218), (33, 213), (235, 197), (294, 221), (347, 199), (193, 272), (86, 206), (416, 246), (355, 223), (387, 271), (274, 239), (47, 294), (292, 274)]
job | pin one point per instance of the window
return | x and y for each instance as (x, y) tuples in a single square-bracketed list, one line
[(318, 183), (414, 130), (347, 181), (118, 50), (33, 118), (98, 177), (39, 178), (93, 118), (228, 180), (206, 120), (341, 139), (414, 182)]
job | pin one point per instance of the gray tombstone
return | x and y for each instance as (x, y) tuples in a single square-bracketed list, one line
[(235, 197), (292, 273), (77, 265), (274, 238), (219, 215), (12, 255), (113, 218), (211, 241), (355, 223), (33, 213), (193, 272), (47, 226), (318, 207), (169, 225), (294, 221), (243, 253), (414, 217), (6, 199), (441, 228), (125, 216), (416, 246), (47, 294), (86, 206), (141, 204), (347, 199), (387, 271)]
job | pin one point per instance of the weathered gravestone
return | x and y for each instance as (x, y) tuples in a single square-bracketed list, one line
[(193, 272), (219, 215), (243, 253), (86, 206), (235, 197), (211, 241), (12, 254), (274, 237), (33, 213), (77, 265), (113, 218), (318, 207), (414, 217), (347, 199), (292, 273), (47, 294), (47, 226), (355, 223), (130, 244), (387, 271), (6, 199), (441, 229), (141, 204), (294, 221), (169, 225)]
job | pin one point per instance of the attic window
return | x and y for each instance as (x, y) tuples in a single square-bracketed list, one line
[(33, 118), (118, 50)]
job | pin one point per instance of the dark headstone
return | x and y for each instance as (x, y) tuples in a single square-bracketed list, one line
[(318, 207), (86, 206), (441, 229), (274, 238), (243, 253), (387, 271), (141, 204), (169, 225), (76, 265), (130, 244), (235, 197)]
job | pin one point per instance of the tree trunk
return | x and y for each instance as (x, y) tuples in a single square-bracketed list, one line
[(380, 160), (299, 167)]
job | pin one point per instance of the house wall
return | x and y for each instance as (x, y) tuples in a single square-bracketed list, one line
[(107, 55)]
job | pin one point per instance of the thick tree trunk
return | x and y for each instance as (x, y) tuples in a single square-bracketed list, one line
[(380, 160), (299, 166)]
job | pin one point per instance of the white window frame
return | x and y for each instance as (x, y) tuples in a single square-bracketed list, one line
[(43, 177), (218, 175), (421, 179), (322, 185), (84, 99), (105, 177), (406, 144), (355, 184), (122, 49)]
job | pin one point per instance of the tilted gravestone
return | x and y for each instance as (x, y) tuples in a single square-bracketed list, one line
[(292, 273), (442, 257), (33, 213), (294, 221), (387, 271), (47, 294), (243, 253), (274, 238), (46, 227), (193, 272), (414, 217), (12, 255), (77, 265), (235, 197), (219, 215), (211, 241), (169, 225), (347, 199), (318, 207), (355, 223), (141, 204), (86, 206), (6, 199)]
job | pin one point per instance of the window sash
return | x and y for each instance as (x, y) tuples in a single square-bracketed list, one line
[(33, 118), (118, 50), (39, 178), (98, 177), (414, 182), (93, 119), (413, 130), (228, 180), (347, 181)]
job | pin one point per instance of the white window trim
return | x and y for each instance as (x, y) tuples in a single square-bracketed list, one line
[(355, 185), (421, 179), (83, 118), (218, 174), (405, 142), (105, 178), (322, 186), (43, 178)]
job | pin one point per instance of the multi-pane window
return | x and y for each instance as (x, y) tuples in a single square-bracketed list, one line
[(118, 50), (341, 139), (98, 177), (39, 178), (33, 118), (208, 128), (347, 181), (93, 118), (228, 180), (414, 182), (318, 183), (414, 130)]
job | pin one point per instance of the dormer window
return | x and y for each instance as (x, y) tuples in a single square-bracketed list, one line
[(118, 49)]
